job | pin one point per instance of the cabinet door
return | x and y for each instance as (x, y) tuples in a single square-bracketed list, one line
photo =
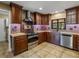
[(77, 15), (16, 12), (20, 44), (75, 37), (47, 19), (38, 19), (48, 37), (41, 37), (78, 42), (44, 19), (71, 16)]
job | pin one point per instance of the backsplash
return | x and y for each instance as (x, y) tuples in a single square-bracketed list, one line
[(74, 27), (40, 27), (15, 28)]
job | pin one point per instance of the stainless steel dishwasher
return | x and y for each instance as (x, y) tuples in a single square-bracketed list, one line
[(66, 40)]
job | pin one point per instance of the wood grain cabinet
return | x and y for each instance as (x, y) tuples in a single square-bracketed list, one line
[(16, 13), (41, 37), (40, 19), (44, 37), (19, 44), (48, 37), (76, 42), (72, 15)]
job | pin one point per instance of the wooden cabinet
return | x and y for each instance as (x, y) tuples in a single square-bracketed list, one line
[(16, 13), (38, 19), (44, 37), (41, 19), (77, 15), (48, 37), (72, 15), (41, 37), (76, 42), (33, 18), (45, 19), (19, 44)]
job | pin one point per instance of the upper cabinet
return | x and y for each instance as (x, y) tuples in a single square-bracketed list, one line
[(72, 15), (16, 13), (40, 19), (45, 19)]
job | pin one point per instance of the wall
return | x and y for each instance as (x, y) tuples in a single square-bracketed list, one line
[(4, 6), (3, 16), (7, 7), (58, 15)]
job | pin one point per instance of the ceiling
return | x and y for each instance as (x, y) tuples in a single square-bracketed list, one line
[(48, 6)]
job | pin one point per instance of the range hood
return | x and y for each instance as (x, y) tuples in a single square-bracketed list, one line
[(28, 16)]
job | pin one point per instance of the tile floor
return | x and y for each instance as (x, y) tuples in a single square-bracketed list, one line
[(48, 50), (3, 49)]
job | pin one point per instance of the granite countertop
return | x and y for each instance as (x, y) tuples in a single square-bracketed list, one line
[(69, 32), (17, 34)]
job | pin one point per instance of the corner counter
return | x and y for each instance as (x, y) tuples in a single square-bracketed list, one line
[(18, 34)]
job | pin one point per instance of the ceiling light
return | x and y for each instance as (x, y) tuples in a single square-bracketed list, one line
[(56, 11), (40, 8)]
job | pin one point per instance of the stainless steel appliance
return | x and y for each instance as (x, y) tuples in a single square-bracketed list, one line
[(66, 40)]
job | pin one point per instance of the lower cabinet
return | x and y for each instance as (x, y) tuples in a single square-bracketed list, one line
[(41, 37), (19, 44), (76, 42), (44, 37), (48, 37), (51, 38)]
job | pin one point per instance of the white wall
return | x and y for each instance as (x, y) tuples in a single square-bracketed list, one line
[(2, 31), (3, 17), (9, 30), (7, 8)]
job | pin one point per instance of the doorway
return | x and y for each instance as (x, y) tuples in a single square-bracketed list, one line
[(4, 25)]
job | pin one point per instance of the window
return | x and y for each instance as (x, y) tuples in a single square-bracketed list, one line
[(58, 24)]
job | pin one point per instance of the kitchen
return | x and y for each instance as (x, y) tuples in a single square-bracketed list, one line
[(41, 28)]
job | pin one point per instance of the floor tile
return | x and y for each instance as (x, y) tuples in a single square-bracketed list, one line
[(48, 50)]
